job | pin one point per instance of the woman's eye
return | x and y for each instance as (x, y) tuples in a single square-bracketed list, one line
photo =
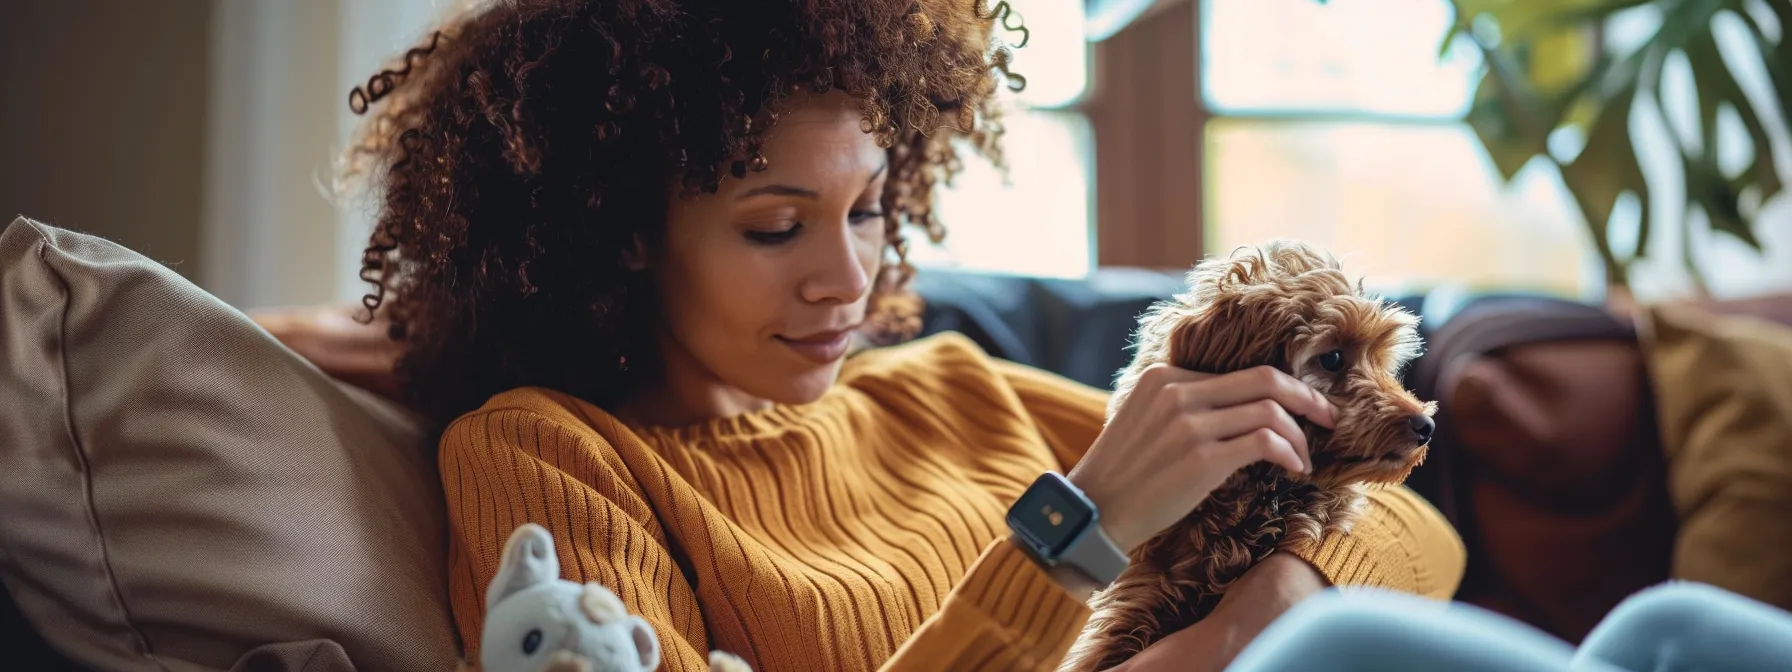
[(774, 237), (862, 216), (1332, 361)]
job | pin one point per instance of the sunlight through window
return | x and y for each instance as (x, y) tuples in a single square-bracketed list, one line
[(1348, 56), (1036, 222)]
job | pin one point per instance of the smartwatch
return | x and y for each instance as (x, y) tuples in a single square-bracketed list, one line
[(1058, 525)]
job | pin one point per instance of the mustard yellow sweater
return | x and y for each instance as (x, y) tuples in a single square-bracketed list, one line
[(862, 531)]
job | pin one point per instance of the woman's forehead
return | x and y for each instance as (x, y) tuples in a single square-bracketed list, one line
[(820, 134)]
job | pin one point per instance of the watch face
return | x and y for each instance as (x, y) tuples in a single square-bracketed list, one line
[(1052, 515)]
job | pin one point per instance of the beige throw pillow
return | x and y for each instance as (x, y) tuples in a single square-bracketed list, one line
[(181, 492), (1723, 390)]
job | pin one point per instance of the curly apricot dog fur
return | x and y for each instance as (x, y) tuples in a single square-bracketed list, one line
[(1289, 306)]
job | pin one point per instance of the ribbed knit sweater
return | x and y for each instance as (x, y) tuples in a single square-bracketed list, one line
[(861, 531)]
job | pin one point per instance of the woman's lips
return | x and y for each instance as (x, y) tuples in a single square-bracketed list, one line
[(822, 348)]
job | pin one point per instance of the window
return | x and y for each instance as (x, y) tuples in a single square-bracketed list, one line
[(1036, 222), (1338, 123)]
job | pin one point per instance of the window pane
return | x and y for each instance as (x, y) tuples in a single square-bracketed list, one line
[(1056, 59), (1341, 56), (1035, 224), (1407, 205)]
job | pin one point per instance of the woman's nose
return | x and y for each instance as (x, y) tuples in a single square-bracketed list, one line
[(839, 273)]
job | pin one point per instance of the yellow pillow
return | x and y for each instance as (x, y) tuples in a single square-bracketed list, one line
[(1723, 394)]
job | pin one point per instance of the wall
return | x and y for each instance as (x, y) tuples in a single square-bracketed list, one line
[(282, 71), (102, 124)]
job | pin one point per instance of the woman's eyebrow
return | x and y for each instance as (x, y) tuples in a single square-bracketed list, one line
[(778, 190), (799, 192)]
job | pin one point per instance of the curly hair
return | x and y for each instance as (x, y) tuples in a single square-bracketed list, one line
[(520, 152)]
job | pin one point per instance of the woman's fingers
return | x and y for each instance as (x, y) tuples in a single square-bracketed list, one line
[(1163, 375), (1232, 422), (1263, 382), (1262, 444)]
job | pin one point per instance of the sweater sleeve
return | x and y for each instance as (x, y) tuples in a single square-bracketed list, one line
[(503, 468), (1005, 614), (495, 478), (1401, 542)]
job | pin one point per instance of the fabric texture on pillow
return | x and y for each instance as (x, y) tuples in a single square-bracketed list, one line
[(1723, 387), (181, 492)]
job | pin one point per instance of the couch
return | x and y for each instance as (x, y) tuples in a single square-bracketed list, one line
[(1548, 459)]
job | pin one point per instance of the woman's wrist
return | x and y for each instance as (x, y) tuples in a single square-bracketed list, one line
[(1112, 522), (1072, 581)]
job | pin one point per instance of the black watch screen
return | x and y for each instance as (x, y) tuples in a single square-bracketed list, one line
[(1051, 514)]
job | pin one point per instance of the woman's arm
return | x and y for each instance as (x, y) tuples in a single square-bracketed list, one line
[(1256, 599), (1007, 613), (1422, 557), (495, 479), (1400, 542)]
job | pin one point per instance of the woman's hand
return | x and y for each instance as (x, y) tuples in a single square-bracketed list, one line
[(1180, 434), (1257, 599)]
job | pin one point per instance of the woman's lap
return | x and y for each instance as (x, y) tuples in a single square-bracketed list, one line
[(1671, 627), (1683, 626), (1383, 630)]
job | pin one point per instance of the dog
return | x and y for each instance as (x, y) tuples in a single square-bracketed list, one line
[(1290, 306)]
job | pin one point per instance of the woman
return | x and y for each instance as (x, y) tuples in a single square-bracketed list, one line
[(628, 247)]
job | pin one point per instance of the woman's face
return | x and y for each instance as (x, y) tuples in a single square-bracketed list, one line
[(763, 282)]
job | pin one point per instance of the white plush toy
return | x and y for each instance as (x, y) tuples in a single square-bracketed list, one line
[(537, 622)]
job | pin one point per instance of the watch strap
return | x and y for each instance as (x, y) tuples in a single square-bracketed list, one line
[(1096, 556)]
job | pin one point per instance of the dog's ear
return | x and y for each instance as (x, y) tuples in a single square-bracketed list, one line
[(1240, 314), (1243, 328)]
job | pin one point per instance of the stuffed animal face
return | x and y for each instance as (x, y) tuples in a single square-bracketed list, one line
[(537, 622)]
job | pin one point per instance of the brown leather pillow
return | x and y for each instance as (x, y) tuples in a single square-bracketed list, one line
[(1723, 387), (182, 492), (1558, 446)]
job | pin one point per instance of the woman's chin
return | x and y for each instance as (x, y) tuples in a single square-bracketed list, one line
[(807, 386)]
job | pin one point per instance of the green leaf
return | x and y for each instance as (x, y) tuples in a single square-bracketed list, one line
[(1518, 105), (1706, 185), (1519, 20), (1607, 166), (1776, 56), (1707, 189), (1574, 14), (1508, 146), (1717, 85)]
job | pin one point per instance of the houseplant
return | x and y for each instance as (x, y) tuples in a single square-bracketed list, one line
[(1546, 69)]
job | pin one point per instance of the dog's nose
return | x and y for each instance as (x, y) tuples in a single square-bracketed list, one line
[(1421, 426)]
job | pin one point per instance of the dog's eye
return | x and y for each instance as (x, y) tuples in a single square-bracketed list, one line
[(531, 642), (1332, 361)]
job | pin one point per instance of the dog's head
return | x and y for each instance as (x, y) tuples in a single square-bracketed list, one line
[(1289, 306)]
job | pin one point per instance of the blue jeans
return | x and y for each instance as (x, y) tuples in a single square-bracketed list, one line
[(1674, 626)]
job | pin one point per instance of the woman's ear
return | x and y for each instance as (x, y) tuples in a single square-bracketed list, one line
[(635, 257)]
